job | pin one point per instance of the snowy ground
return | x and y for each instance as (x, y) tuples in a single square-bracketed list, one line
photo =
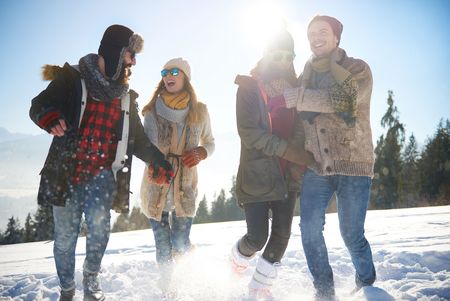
[(411, 249)]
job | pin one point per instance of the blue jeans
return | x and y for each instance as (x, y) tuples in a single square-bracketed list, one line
[(171, 238), (352, 195), (94, 198)]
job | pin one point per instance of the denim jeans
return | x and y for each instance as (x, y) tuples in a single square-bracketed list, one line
[(257, 218), (171, 236), (352, 195), (94, 199)]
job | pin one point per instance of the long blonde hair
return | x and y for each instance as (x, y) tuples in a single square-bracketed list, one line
[(194, 107)]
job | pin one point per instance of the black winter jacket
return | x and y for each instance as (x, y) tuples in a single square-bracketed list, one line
[(63, 99)]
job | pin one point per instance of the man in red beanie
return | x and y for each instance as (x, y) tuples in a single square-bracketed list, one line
[(334, 104), (93, 116)]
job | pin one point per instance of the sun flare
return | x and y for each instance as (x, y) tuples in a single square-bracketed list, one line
[(260, 21)]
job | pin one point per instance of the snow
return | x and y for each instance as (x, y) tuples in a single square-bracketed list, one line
[(411, 250)]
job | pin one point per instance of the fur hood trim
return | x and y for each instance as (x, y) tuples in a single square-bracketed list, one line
[(136, 43), (50, 72)]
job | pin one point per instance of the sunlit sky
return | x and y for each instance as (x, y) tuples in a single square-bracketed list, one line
[(405, 42)]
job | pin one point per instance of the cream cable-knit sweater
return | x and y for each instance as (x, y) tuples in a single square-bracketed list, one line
[(157, 127), (337, 148)]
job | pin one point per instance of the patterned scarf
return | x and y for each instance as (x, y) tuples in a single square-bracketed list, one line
[(320, 65), (343, 92), (98, 86), (176, 101), (276, 87)]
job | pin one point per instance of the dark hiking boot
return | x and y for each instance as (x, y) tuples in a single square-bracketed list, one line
[(67, 295), (92, 289)]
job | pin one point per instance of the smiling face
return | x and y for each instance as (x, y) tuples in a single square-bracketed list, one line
[(174, 83), (322, 39)]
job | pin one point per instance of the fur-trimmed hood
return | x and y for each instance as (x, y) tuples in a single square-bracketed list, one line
[(51, 72)]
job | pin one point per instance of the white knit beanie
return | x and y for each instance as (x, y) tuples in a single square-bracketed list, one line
[(181, 64)]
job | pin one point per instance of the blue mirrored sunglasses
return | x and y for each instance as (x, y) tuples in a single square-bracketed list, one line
[(173, 71)]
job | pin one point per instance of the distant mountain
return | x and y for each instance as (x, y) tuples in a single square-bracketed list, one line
[(5, 135), (21, 158)]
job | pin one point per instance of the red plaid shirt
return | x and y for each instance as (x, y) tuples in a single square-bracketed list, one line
[(97, 143)]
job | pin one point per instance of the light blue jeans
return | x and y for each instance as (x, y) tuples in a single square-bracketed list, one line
[(172, 236), (94, 199), (352, 195)]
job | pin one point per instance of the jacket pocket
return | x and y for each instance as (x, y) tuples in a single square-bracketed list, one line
[(343, 141), (257, 176)]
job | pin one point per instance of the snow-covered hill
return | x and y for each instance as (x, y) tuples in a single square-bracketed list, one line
[(411, 249)]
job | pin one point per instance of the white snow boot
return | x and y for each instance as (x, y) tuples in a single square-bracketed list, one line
[(165, 281), (260, 287), (239, 262)]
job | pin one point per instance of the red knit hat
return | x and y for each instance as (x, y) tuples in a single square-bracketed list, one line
[(336, 26)]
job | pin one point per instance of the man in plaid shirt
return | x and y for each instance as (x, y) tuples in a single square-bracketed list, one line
[(93, 116)]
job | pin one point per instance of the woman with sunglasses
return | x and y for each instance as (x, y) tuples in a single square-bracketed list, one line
[(179, 125), (269, 159)]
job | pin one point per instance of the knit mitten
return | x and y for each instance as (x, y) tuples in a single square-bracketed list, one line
[(260, 287), (239, 262), (292, 96)]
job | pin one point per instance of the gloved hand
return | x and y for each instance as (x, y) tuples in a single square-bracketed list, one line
[(193, 157), (297, 171), (336, 56), (160, 172), (298, 155)]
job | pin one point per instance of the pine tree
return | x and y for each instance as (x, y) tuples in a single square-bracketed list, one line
[(435, 166), (202, 214), (122, 223), (83, 227), (44, 223), (387, 169), (138, 220), (29, 231), (13, 233), (410, 177), (218, 210), (232, 210)]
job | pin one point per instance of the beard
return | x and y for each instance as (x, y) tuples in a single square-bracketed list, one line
[(124, 75)]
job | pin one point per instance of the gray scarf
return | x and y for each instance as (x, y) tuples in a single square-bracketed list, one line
[(98, 86)]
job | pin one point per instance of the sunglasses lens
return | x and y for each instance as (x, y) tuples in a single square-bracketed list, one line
[(164, 72), (277, 57), (174, 71), (290, 57)]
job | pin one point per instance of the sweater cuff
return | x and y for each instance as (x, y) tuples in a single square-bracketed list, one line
[(290, 97), (293, 97), (49, 119), (282, 147)]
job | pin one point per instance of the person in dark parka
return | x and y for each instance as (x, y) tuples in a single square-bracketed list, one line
[(93, 116)]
